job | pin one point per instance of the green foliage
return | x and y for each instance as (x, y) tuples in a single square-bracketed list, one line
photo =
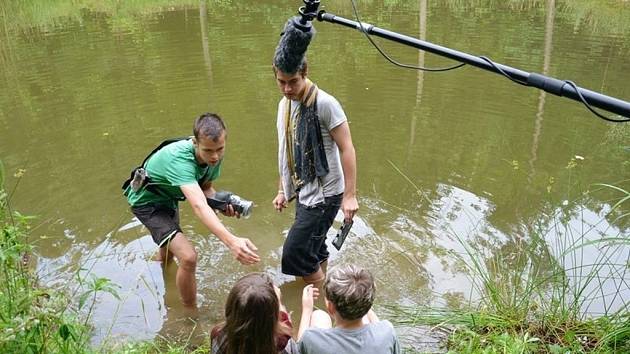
[(159, 346), (468, 341), (1, 176), (534, 300), (33, 319), (96, 285)]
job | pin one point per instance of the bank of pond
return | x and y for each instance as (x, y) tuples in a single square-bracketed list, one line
[(524, 305)]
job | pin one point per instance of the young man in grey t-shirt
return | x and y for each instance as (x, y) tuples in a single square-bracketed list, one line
[(316, 158), (349, 294)]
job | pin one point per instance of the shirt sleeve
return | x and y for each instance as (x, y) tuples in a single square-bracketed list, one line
[(396, 346), (302, 346), (330, 112)]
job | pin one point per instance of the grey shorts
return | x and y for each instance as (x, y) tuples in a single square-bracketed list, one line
[(162, 222)]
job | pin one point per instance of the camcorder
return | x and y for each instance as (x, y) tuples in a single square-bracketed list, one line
[(341, 234), (221, 199)]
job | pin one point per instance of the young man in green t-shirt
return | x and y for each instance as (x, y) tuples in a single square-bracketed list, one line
[(187, 169)]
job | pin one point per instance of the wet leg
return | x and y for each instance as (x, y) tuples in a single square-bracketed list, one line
[(181, 248)]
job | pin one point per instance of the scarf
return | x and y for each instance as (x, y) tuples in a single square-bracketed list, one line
[(303, 150)]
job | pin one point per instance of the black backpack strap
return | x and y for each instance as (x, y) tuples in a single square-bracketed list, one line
[(162, 144)]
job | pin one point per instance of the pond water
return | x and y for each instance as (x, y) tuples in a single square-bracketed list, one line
[(88, 88)]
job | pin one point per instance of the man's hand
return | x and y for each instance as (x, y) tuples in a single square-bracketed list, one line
[(309, 295), (229, 211), (349, 207), (280, 201), (244, 251)]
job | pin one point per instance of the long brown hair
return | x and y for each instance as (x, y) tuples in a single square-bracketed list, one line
[(251, 323)]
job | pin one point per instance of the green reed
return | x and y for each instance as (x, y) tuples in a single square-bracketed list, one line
[(538, 299), (33, 318)]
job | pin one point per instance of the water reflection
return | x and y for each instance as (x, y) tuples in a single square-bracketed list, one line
[(85, 93)]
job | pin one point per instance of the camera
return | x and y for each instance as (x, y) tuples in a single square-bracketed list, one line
[(221, 199)]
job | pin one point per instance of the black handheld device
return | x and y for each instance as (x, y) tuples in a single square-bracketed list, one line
[(341, 234), (222, 199)]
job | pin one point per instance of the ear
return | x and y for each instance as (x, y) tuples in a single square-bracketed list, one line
[(330, 307), (194, 141), (305, 70)]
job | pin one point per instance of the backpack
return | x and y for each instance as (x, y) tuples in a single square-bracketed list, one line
[(146, 180)]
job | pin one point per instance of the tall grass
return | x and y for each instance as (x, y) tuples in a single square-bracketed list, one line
[(37, 319), (33, 319), (564, 289)]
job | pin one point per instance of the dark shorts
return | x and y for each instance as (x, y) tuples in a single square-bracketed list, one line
[(305, 247), (162, 222)]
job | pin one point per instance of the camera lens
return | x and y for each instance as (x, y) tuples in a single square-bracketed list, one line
[(242, 206)]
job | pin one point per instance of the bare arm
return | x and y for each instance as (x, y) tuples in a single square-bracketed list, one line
[(242, 248), (208, 189), (309, 294), (341, 135)]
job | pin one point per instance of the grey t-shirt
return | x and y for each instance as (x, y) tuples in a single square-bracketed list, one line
[(331, 115), (374, 338)]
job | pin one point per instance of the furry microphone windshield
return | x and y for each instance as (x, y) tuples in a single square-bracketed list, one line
[(291, 50)]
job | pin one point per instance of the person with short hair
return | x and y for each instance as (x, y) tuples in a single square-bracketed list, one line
[(316, 159), (186, 169), (256, 321), (349, 293)]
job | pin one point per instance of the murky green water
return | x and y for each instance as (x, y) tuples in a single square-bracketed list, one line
[(87, 90)]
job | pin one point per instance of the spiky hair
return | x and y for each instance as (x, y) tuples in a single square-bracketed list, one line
[(291, 49)]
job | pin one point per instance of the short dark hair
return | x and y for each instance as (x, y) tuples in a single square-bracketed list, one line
[(302, 69), (209, 126), (351, 289)]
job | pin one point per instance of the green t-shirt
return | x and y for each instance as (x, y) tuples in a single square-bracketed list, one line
[(171, 167)]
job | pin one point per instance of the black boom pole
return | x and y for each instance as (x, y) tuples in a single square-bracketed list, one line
[(557, 87)]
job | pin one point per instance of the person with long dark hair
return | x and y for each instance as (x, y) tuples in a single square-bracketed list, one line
[(256, 322)]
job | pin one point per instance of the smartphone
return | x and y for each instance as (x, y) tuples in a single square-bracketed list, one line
[(341, 234)]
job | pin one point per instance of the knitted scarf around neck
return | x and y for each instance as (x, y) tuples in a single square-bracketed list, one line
[(308, 159)]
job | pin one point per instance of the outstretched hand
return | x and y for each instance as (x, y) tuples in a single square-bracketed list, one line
[(244, 251), (309, 295)]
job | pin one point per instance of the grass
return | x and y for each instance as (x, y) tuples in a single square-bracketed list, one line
[(540, 297), (37, 319), (33, 319)]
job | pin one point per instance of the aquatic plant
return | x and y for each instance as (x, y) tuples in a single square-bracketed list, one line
[(33, 319), (562, 288)]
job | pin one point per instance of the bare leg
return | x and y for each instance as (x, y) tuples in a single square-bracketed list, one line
[(316, 278), (370, 317), (324, 266), (163, 255), (320, 319), (185, 278)]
